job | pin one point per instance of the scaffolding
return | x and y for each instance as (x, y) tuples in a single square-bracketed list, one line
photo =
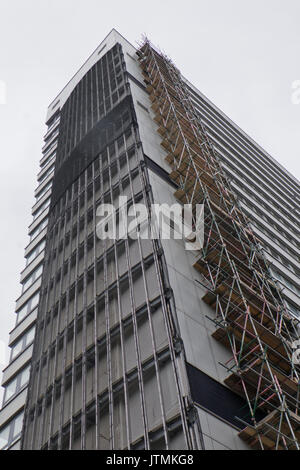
[(251, 318)]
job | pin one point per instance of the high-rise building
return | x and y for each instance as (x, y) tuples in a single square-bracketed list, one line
[(140, 343)]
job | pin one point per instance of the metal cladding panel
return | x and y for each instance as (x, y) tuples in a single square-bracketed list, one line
[(104, 133), (104, 372), (95, 114)]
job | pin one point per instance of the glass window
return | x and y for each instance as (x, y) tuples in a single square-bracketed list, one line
[(286, 282), (15, 385), (11, 432), (18, 422), (48, 146), (44, 190), (30, 336), (10, 390), (53, 121), (35, 252), (32, 278), (16, 349), (22, 343), (51, 136), (294, 310), (24, 379), (46, 174), (51, 157), (41, 209), (28, 307), (4, 437), (38, 229)]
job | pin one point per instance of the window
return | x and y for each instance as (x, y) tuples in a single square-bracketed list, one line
[(51, 135), (22, 343), (11, 432), (28, 307), (286, 282), (53, 120), (35, 252), (46, 174), (32, 278), (275, 255), (38, 229), (44, 190), (41, 209), (294, 310), (16, 384), (52, 126), (51, 157)]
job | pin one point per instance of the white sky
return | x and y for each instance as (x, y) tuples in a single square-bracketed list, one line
[(242, 54)]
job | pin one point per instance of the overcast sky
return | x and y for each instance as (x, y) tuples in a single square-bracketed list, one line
[(244, 55)]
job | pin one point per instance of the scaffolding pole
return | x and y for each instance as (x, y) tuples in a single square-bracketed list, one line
[(251, 317)]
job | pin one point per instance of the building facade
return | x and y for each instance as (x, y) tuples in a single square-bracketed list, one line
[(139, 343)]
